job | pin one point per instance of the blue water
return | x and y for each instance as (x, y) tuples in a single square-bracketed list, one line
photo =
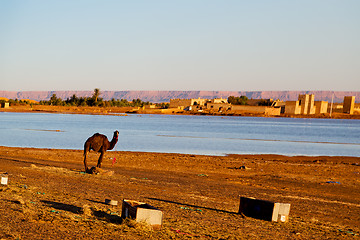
[(211, 135)]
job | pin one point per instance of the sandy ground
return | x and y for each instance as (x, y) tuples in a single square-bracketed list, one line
[(49, 197)]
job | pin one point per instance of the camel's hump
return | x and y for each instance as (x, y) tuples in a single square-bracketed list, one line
[(98, 135)]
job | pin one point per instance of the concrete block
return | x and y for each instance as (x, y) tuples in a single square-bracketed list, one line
[(4, 179), (111, 202), (265, 210), (142, 212)]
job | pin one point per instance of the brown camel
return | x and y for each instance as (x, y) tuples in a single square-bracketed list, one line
[(99, 143)]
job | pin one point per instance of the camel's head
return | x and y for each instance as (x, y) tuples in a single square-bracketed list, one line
[(116, 134)]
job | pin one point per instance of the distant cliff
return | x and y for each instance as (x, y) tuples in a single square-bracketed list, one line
[(165, 96)]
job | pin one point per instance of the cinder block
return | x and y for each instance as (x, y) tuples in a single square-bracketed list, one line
[(142, 212), (265, 210)]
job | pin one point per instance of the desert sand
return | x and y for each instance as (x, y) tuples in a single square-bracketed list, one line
[(49, 197)]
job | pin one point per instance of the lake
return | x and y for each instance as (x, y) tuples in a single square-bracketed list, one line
[(209, 135)]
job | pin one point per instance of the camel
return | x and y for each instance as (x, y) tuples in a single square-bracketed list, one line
[(99, 143)]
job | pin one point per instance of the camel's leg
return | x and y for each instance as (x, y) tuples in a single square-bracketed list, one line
[(86, 151), (100, 159), (86, 168)]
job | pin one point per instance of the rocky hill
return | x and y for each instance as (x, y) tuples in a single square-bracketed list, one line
[(165, 96)]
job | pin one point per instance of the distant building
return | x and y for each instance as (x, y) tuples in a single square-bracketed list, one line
[(267, 110), (311, 106), (357, 108), (321, 107), (306, 104), (349, 104), (219, 100), (5, 105), (222, 105), (184, 103), (218, 107), (292, 107), (152, 106)]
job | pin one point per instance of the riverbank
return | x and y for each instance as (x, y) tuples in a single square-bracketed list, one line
[(48, 197), (132, 110)]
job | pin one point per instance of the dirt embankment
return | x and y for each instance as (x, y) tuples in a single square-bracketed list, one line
[(49, 197), (67, 109)]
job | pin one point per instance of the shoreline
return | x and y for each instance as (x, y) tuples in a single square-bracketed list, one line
[(292, 158), (123, 111), (190, 154)]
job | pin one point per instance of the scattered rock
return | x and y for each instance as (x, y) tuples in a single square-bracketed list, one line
[(241, 167), (19, 200), (86, 210), (202, 175)]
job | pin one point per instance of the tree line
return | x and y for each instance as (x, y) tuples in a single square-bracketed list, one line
[(93, 101), (96, 100), (242, 100)]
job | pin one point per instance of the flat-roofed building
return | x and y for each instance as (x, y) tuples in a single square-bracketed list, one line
[(349, 104), (4, 105), (321, 107), (304, 105), (292, 107)]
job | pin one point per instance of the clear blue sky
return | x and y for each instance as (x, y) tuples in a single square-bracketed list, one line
[(233, 45)]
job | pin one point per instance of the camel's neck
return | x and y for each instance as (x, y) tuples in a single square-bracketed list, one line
[(113, 143)]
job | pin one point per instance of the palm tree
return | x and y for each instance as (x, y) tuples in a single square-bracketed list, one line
[(96, 94)]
